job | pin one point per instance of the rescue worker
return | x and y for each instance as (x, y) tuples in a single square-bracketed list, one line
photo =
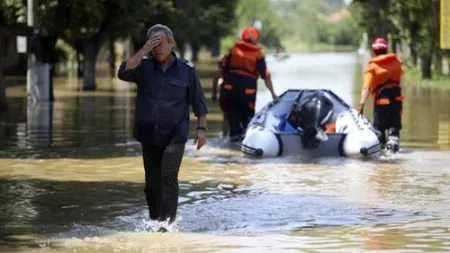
[(222, 102), (382, 80), (242, 66)]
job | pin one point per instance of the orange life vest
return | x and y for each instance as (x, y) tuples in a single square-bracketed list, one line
[(243, 59), (383, 72)]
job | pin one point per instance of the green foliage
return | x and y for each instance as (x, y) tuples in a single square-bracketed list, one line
[(413, 22), (374, 16), (249, 11), (116, 18), (346, 32), (306, 22), (13, 11), (199, 20)]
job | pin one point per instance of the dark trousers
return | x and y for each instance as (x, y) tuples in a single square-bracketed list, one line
[(241, 111), (388, 118), (162, 164)]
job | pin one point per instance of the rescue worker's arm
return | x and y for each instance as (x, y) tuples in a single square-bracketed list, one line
[(215, 85), (268, 82), (368, 78), (265, 74), (219, 73), (128, 70)]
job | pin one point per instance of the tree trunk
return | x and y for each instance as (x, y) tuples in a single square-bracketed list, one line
[(3, 52), (44, 50), (447, 66), (90, 57), (80, 63), (426, 67), (42, 45), (195, 50), (181, 49), (215, 48), (112, 58), (438, 62), (91, 49), (49, 49), (3, 105), (393, 45), (8, 57), (182, 52), (413, 55), (52, 73)]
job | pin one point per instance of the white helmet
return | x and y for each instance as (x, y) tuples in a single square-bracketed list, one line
[(258, 25)]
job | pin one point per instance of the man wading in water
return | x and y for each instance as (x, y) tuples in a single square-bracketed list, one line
[(167, 85)]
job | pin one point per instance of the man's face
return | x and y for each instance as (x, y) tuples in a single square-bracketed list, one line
[(164, 49)]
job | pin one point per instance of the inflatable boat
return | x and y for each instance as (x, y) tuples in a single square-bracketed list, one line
[(311, 123)]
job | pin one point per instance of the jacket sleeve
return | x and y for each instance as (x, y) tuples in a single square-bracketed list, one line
[(196, 95), (262, 67), (368, 78), (130, 75)]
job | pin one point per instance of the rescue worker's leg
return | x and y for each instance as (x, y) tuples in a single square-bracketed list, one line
[(230, 102), (234, 113), (234, 119), (152, 156), (381, 117), (395, 126), (224, 108), (170, 165), (248, 108)]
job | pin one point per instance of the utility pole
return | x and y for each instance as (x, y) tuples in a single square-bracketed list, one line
[(38, 73), (39, 110), (31, 60)]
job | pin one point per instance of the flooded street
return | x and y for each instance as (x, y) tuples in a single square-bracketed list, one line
[(72, 179)]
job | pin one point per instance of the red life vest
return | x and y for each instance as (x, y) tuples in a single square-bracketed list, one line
[(243, 58)]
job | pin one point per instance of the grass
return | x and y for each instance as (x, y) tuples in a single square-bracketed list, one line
[(413, 77)]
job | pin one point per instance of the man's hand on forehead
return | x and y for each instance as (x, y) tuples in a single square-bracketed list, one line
[(155, 37)]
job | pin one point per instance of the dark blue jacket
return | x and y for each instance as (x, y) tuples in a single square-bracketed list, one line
[(163, 99)]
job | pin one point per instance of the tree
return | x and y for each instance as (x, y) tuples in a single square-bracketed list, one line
[(374, 16), (52, 16), (249, 11), (98, 21), (8, 57), (203, 23), (308, 21), (405, 21)]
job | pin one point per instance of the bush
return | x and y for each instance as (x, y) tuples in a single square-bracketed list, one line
[(346, 32)]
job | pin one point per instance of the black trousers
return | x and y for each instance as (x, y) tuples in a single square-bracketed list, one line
[(388, 118), (162, 164), (241, 111)]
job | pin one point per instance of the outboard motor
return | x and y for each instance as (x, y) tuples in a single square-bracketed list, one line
[(311, 114)]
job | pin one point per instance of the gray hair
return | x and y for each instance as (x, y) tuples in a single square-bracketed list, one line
[(160, 28)]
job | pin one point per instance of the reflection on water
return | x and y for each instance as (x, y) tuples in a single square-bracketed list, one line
[(39, 125), (97, 204), (71, 179)]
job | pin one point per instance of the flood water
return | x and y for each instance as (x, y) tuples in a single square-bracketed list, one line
[(71, 178)]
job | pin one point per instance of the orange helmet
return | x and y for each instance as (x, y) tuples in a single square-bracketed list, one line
[(250, 34)]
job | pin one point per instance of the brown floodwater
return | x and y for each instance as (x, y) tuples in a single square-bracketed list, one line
[(71, 178)]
